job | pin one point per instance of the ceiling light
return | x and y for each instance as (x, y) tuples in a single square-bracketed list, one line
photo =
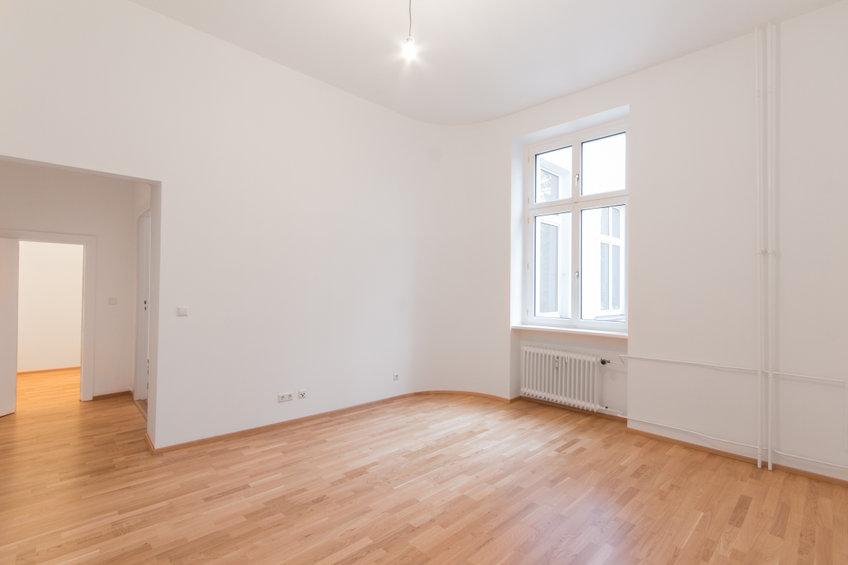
[(408, 49)]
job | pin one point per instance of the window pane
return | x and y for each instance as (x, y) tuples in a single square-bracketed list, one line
[(553, 175), (616, 222), (604, 163), (605, 270), (553, 265), (616, 277), (548, 267), (602, 271)]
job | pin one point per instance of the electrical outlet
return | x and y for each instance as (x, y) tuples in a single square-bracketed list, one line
[(285, 397), (301, 394), (396, 377)]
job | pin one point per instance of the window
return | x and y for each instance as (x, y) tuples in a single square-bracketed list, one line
[(553, 175), (576, 231)]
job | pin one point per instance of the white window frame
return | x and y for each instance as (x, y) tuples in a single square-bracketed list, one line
[(575, 205), (612, 241)]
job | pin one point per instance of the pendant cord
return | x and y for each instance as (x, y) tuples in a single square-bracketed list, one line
[(410, 20)]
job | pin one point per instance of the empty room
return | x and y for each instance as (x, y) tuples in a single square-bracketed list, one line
[(549, 281)]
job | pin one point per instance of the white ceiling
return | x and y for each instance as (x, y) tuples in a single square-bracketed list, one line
[(480, 59)]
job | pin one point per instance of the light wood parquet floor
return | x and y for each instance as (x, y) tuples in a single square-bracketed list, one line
[(434, 478)]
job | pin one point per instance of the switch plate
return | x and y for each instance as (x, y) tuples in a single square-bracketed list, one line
[(285, 396), (182, 311)]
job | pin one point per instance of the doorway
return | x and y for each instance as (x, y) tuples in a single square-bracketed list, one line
[(46, 311), (50, 311), (50, 203)]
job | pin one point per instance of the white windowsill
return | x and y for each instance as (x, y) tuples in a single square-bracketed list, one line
[(578, 331)]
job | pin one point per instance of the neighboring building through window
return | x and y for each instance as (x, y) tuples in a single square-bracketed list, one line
[(576, 236)]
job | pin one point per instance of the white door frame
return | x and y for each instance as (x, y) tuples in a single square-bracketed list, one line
[(89, 294), (9, 283), (142, 326)]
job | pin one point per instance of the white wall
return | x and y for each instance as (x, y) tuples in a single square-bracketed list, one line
[(45, 199), (49, 306), (288, 208), (812, 271), (692, 213)]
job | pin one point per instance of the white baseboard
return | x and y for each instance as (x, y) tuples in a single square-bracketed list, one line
[(786, 460)]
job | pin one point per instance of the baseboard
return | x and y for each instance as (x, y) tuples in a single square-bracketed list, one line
[(140, 409), (112, 395), (808, 469), (278, 425), (690, 444), (59, 370), (812, 469), (149, 443)]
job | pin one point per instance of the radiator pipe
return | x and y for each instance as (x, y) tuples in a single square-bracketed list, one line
[(761, 249)]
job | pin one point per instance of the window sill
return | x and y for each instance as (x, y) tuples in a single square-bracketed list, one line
[(578, 331)]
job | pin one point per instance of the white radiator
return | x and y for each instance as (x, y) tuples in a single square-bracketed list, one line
[(562, 377)]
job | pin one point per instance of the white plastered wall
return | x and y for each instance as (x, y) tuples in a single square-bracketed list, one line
[(49, 306)]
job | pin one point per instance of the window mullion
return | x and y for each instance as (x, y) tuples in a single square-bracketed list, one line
[(576, 223)]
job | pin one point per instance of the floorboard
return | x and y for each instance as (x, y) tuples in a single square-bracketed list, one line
[(444, 479)]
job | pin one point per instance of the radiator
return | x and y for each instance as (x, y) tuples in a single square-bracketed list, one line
[(560, 376)]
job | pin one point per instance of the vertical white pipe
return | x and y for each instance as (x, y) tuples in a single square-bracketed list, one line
[(771, 220), (759, 55)]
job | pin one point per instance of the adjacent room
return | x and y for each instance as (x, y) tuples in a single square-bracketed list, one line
[(49, 319), (419, 281)]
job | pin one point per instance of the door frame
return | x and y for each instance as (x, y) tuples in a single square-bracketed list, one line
[(89, 295), (141, 374)]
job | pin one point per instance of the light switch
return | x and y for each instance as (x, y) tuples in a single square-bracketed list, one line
[(182, 311), (113, 301)]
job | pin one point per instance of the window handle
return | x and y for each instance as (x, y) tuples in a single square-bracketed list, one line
[(576, 274)]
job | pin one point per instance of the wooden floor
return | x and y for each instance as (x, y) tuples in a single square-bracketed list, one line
[(446, 479)]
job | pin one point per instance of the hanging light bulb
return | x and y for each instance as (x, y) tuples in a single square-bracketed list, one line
[(408, 49)]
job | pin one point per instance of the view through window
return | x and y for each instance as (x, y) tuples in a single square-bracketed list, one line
[(577, 227)]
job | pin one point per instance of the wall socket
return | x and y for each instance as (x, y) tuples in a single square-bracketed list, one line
[(396, 377), (301, 394), (285, 396)]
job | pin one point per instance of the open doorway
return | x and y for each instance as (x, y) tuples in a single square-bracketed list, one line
[(113, 223), (47, 314), (50, 298)]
